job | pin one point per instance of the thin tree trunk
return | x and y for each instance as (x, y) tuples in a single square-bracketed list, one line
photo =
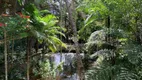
[(12, 50), (28, 58), (5, 55), (70, 10)]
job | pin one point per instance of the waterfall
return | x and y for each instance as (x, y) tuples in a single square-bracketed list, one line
[(68, 59)]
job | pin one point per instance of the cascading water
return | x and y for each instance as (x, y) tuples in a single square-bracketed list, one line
[(68, 59)]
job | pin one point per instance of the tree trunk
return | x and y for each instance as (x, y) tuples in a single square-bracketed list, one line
[(70, 9), (5, 55), (28, 57)]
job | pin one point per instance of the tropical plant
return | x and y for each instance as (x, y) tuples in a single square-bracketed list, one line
[(44, 27), (121, 61)]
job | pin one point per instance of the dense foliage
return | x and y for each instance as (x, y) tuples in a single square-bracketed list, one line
[(32, 30), (117, 45)]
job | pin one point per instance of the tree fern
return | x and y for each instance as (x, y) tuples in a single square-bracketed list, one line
[(122, 63)]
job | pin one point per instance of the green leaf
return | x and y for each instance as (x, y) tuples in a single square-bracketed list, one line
[(23, 35)]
